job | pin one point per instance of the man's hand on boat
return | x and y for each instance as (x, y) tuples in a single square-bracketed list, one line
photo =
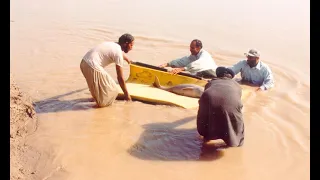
[(176, 70), (163, 65)]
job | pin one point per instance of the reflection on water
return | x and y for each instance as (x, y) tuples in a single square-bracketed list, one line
[(55, 104), (163, 141)]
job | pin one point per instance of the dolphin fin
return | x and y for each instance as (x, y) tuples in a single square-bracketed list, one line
[(156, 82)]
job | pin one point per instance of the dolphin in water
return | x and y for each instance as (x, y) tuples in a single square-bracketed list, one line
[(189, 90)]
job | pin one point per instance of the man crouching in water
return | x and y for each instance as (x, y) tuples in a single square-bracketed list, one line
[(220, 110), (101, 85)]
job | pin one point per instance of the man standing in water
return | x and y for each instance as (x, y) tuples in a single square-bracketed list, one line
[(101, 85), (220, 110), (199, 63), (254, 71)]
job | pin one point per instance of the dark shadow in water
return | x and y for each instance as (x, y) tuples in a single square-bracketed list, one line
[(246, 83), (164, 142), (121, 98), (53, 104)]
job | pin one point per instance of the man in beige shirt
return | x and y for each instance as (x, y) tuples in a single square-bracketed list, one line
[(101, 85)]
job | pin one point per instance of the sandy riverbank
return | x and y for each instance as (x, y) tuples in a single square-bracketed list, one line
[(26, 161)]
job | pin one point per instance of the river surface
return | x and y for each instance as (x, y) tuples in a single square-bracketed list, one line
[(143, 141)]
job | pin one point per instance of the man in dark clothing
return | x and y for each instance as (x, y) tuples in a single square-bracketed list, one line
[(220, 110)]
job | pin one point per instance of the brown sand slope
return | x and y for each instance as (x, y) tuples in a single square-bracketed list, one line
[(28, 161), (23, 122)]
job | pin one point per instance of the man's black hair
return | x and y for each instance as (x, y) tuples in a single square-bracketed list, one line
[(126, 38), (198, 43), (223, 72)]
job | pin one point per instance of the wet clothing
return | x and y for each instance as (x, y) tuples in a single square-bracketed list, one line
[(260, 75), (101, 85), (220, 112)]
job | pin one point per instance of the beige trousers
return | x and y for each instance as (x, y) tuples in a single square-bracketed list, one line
[(101, 85)]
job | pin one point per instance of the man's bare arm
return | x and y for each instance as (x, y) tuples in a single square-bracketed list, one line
[(122, 82), (126, 58)]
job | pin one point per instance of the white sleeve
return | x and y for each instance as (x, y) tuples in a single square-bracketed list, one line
[(181, 62), (118, 58)]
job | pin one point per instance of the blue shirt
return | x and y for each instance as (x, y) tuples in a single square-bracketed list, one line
[(260, 75)]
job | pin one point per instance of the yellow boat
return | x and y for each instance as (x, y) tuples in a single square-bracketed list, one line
[(141, 73), (142, 76)]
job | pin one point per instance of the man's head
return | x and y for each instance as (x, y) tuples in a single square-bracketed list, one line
[(224, 72), (126, 42), (195, 46), (252, 57)]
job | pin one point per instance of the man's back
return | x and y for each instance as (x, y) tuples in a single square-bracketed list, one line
[(219, 114), (224, 93), (104, 54)]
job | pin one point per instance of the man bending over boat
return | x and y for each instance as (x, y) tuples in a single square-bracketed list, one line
[(199, 63), (101, 85), (220, 110)]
